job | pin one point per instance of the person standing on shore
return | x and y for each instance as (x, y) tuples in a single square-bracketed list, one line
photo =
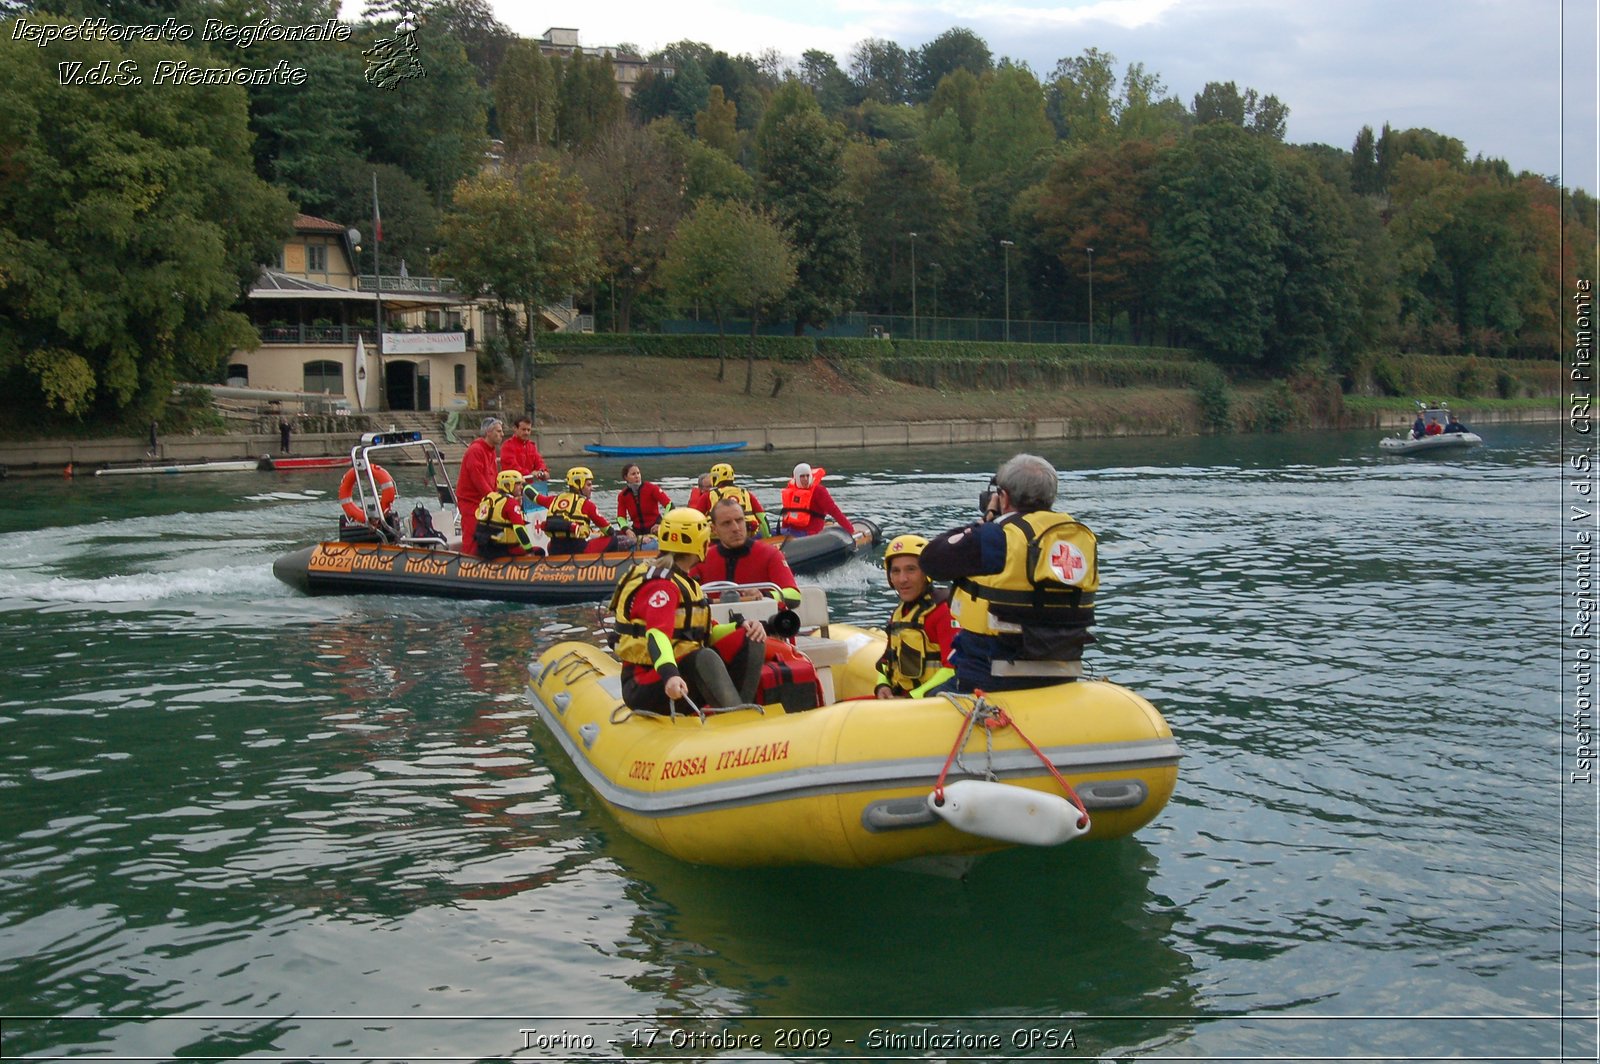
[(479, 469), (283, 434), (155, 438)]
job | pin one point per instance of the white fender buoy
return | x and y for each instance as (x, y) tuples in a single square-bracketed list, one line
[(1009, 814)]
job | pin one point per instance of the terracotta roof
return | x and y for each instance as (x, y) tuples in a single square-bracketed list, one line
[(307, 223)]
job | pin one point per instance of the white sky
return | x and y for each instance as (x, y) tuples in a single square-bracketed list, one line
[(1488, 72)]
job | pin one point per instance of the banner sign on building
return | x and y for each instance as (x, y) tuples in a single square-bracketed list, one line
[(432, 343)]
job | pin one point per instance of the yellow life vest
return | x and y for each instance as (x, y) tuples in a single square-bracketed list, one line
[(569, 520), (733, 491), (496, 526), (691, 625), (1048, 582), (911, 658)]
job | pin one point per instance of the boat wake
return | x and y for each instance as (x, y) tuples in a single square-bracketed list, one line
[(249, 582)]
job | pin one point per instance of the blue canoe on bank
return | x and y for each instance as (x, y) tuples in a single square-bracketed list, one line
[(693, 448)]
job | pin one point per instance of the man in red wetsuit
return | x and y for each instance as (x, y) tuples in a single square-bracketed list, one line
[(700, 494), (519, 452), (738, 558), (807, 504), (479, 469)]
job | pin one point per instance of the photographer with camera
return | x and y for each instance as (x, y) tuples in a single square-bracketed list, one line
[(1025, 579)]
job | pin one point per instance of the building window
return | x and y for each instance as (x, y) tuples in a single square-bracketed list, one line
[(461, 379), (316, 258), (238, 375), (324, 376)]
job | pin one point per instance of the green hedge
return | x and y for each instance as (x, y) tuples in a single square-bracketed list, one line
[(1417, 376), (699, 345), (852, 349), (1013, 352), (1006, 374)]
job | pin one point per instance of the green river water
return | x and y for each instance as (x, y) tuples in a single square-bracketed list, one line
[(240, 823)]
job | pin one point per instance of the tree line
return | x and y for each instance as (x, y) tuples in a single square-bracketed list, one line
[(131, 220)]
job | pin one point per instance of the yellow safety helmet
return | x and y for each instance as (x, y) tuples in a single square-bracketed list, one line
[(903, 546), (510, 481), (578, 476), (684, 530), (721, 473)]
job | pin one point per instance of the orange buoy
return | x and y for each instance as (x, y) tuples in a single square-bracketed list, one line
[(347, 490)]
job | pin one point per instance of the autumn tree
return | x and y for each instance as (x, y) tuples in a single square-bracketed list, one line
[(729, 257), (524, 236), (716, 126), (636, 192), (1104, 198)]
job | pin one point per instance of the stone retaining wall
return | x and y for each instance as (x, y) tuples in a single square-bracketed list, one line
[(567, 441)]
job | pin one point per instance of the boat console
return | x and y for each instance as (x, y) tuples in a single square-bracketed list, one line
[(810, 637)]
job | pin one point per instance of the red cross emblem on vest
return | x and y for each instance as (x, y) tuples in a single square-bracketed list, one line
[(1067, 563)]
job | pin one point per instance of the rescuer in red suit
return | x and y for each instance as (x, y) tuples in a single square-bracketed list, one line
[(740, 559), (479, 469), (519, 452)]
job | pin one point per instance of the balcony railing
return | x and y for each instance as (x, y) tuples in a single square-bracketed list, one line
[(315, 334), (336, 334)]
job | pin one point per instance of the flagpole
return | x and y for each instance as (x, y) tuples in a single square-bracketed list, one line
[(377, 285)]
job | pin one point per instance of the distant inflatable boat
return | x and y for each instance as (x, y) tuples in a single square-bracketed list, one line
[(374, 555), (620, 451)]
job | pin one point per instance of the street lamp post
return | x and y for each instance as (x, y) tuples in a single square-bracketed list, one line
[(913, 237), (1008, 245), (1091, 293)]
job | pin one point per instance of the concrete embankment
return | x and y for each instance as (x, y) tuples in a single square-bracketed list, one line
[(53, 457)]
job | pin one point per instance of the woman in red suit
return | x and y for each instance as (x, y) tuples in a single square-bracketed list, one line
[(641, 501)]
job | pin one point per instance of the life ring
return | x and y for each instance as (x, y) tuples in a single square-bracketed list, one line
[(347, 489)]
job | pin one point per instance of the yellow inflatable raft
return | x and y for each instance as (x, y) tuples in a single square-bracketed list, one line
[(857, 781)]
